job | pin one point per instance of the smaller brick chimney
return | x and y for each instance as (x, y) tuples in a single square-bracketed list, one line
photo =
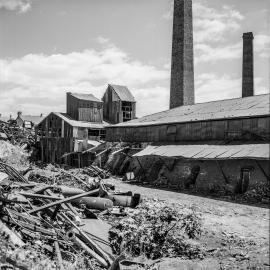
[(247, 68)]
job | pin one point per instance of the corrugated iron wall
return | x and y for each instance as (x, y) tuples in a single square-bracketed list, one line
[(253, 128)]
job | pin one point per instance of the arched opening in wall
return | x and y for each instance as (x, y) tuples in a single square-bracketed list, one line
[(191, 180), (124, 167), (153, 172), (243, 183)]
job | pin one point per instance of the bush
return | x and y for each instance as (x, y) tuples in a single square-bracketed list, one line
[(155, 231)]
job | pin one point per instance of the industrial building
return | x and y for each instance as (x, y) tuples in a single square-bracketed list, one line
[(241, 119), (83, 120), (119, 104), (82, 126), (72, 132), (84, 107), (61, 125), (214, 145)]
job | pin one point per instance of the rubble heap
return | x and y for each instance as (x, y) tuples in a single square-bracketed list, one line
[(25, 138), (13, 155), (38, 210)]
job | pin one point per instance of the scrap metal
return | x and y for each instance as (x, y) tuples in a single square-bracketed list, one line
[(49, 212)]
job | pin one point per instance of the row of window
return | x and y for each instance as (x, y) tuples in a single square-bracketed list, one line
[(90, 105), (126, 108), (97, 133)]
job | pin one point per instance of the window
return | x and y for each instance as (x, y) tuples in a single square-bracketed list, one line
[(171, 129), (102, 134), (126, 116), (127, 110), (93, 132)]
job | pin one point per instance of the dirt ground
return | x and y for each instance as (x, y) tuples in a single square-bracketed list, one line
[(236, 236)]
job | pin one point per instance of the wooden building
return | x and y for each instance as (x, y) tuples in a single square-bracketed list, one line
[(73, 132), (240, 119), (119, 104), (64, 140), (84, 107), (61, 125)]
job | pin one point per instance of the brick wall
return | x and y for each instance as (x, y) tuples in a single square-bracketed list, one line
[(247, 68), (182, 70)]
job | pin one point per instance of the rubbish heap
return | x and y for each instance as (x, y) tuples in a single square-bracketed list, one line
[(23, 137), (36, 207)]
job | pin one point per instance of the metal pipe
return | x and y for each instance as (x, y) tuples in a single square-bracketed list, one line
[(93, 245), (94, 202), (69, 199), (72, 237), (59, 257)]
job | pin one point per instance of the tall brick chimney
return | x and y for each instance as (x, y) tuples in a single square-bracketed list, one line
[(182, 70), (247, 68)]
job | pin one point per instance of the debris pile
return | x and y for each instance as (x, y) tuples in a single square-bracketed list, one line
[(41, 211), (25, 138), (13, 155), (259, 193)]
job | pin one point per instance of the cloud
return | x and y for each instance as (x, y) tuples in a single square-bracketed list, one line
[(210, 86), (262, 45), (168, 15), (21, 6), (102, 40), (208, 53), (212, 27), (211, 24), (152, 99), (37, 83)]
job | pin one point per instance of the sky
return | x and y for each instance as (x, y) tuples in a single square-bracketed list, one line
[(50, 47)]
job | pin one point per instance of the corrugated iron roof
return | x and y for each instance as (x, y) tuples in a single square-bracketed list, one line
[(123, 92), (82, 96), (35, 119), (222, 109), (76, 123), (209, 152)]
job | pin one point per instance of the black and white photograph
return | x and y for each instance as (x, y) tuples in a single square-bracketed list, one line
[(134, 134)]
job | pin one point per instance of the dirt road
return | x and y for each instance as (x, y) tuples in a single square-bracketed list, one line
[(235, 235)]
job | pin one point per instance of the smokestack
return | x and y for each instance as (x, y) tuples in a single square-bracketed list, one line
[(247, 68), (182, 70)]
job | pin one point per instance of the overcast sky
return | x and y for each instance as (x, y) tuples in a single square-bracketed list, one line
[(49, 47)]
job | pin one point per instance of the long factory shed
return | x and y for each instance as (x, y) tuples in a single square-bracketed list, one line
[(226, 120)]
